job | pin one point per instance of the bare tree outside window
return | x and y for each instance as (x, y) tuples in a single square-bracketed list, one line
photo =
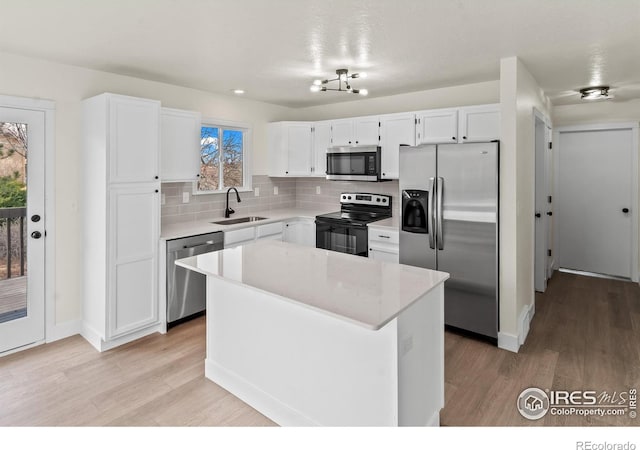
[(230, 157)]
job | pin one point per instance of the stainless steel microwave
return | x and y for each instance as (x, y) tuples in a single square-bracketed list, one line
[(354, 163)]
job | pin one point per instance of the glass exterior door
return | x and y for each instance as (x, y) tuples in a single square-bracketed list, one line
[(21, 227)]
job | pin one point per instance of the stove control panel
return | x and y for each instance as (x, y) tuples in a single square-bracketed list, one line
[(365, 199)]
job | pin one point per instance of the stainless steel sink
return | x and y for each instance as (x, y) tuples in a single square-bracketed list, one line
[(239, 220)]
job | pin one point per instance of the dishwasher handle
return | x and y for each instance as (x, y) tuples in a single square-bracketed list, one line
[(196, 250)]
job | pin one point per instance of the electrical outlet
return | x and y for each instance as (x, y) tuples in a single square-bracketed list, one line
[(163, 200), (185, 197), (318, 191), (256, 192), (275, 190)]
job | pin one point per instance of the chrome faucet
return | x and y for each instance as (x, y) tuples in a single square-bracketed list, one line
[(228, 211)]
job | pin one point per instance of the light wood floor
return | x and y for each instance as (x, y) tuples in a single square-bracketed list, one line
[(13, 294), (585, 335)]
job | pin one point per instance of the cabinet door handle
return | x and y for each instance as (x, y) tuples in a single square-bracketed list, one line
[(453, 138), (383, 236), (464, 137), (156, 177), (156, 191)]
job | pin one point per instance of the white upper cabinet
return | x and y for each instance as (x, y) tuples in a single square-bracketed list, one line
[(179, 145), (342, 132), (437, 126), (290, 149), (299, 147), (366, 130), (321, 142), (480, 123), (395, 130), (134, 134), (356, 131)]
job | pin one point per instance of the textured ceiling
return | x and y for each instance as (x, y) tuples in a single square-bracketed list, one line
[(274, 49)]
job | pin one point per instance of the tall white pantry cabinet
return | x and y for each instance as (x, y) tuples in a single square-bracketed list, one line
[(121, 213)]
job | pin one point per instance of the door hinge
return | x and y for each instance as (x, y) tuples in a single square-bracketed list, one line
[(378, 138), (549, 252), (549, 199), (379, 125), (550, 145), (415, 121)]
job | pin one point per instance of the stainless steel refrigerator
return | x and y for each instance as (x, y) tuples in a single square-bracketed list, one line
[(449, 222)]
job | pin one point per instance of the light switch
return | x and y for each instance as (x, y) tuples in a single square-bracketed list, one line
[(163, 200), (256, 192), (318, 191), (275, 190), (185, 197)]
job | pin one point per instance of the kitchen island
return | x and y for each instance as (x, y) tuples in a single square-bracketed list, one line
[(314, 337)]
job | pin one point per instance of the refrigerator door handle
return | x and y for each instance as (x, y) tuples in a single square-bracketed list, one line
[(439, 192), (431, 221)]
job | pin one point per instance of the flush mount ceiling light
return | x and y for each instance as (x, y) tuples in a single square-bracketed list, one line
[(595, 93), (343, 78), (238, 91)]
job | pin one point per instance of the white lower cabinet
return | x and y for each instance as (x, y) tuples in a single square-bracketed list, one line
[(300, 231), (384, 244), (271, 231), (233, 238), (132, 290)]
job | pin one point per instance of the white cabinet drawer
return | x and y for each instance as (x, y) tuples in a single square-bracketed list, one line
[(235, 236), (384, 236), (268, 229)]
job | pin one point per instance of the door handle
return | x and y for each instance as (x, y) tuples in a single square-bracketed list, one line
[(36, 235), (35, 218), (430, 217), (439, 193), (549, 213), (538, 215), (625, 210)]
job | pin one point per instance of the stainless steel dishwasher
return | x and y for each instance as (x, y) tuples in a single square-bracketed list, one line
[(186, 289)]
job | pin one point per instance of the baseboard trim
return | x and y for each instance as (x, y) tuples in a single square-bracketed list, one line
[(96, 340), (64, 330), (271, 407), (508, 341)]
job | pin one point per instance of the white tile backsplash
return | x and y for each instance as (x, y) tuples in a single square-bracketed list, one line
[(291, 192)]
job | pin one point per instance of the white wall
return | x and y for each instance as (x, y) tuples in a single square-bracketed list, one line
[(464, 95), (519, 94), (67, 86)]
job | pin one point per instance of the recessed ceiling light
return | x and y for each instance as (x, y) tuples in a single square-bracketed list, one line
[(238, 91), (595, 93)]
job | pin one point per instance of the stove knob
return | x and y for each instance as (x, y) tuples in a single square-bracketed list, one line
[(384, 200), (377, 199), (349, 198), (344, 197)]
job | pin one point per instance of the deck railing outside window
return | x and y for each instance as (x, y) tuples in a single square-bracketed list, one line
[(13, 257)]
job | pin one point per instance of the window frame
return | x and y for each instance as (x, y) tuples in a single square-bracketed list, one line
[(247, 146)]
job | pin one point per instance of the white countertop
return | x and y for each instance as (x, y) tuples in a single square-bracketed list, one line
[(183, 229), (367, 292), (392, 223)]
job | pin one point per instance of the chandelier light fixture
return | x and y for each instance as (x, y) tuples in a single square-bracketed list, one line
[(344, 83), (595, 93)]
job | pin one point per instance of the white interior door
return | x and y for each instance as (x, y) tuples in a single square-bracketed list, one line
[(594, 201), (22, 233), (542, 206)]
